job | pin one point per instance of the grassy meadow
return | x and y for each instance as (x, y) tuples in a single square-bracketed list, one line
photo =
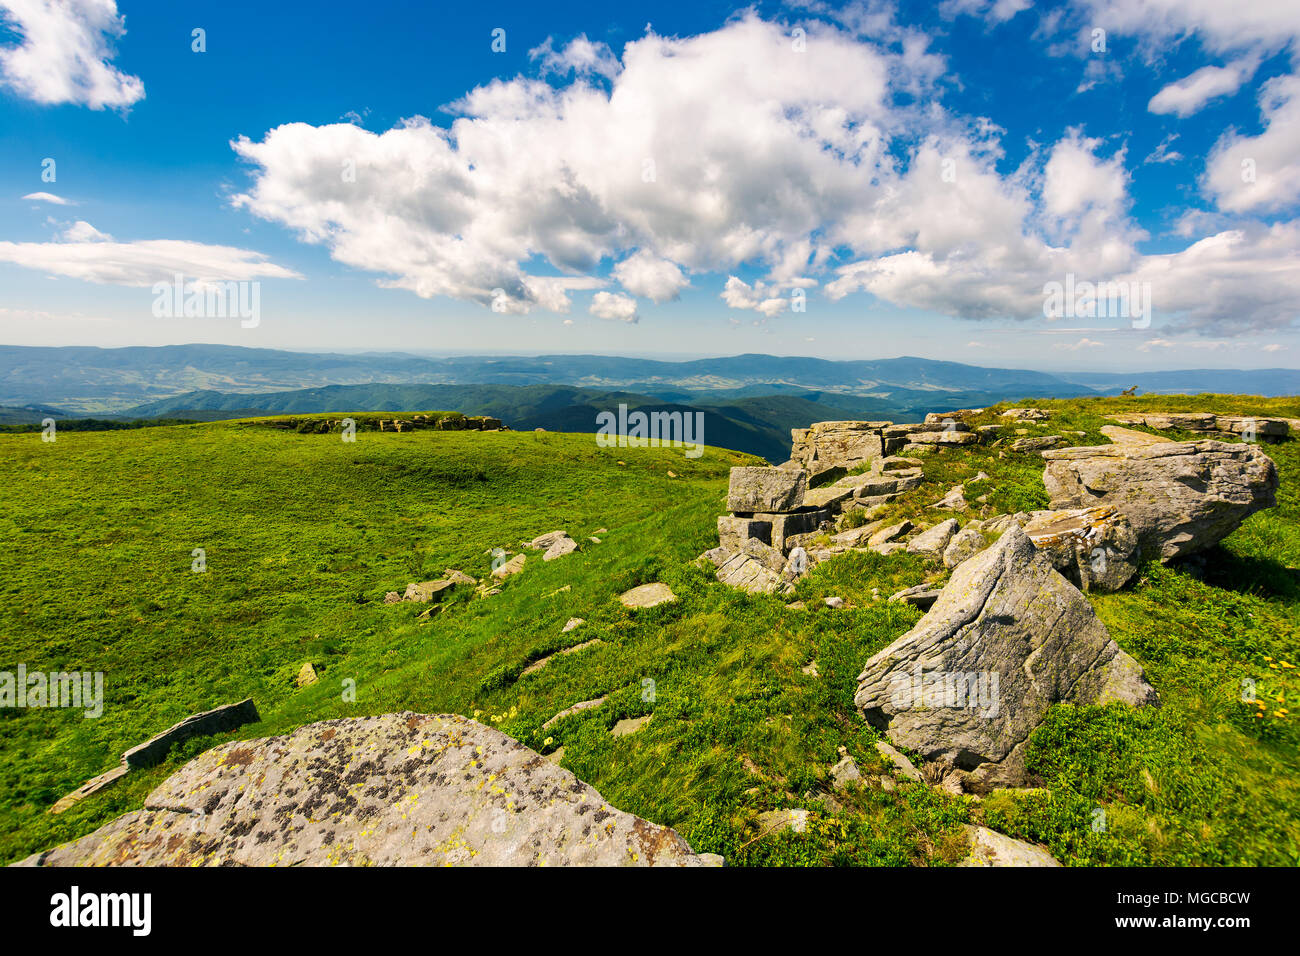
[(304, 533)]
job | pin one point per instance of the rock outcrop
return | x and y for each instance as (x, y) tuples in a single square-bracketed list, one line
[(850, 445), (395, 790), (1208, 423), (1180, 497), (1007, 638)]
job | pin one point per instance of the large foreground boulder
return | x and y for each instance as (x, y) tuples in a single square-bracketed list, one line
[(1007, 638), (395, 790), (1180, 497)]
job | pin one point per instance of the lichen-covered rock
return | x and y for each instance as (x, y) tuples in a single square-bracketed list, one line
[(395, 790), (1007, 638), (1180, 497), (1095, 548), (771, 490)]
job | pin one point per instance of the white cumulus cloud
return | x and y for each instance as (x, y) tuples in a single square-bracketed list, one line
[(64, 53), (614, 305)]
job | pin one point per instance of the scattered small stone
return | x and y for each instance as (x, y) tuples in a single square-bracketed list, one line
[(576, 708), (630, 725), (901, 764), (845, 772), (559, 548), (954, 500), (921, 596), (513, 566), (647, 595), (835, 602), (570, 624), (426, 592), (774, 821), (811, 670), (306, 675), (889, 534)]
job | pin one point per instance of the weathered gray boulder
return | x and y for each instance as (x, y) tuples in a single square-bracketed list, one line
[(920, 595), (1027, 414), (954, 500), (932, 541), (1037, 443), (1095, 548), (508, 568), (1007, 638), (1180, 497), (395, 790), (769, 490), (965, 544), (890, 534)]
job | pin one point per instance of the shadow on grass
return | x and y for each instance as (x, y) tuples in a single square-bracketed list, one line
[(1263, 577)]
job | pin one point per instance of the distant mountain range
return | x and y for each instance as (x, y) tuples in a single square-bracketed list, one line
[(750, 401)]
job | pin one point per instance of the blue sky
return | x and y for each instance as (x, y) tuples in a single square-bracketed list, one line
[(859, 181)]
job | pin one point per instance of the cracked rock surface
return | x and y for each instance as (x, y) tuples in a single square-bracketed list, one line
[(394, 790)]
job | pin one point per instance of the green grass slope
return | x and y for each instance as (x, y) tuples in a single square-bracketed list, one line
[(305, 533)]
